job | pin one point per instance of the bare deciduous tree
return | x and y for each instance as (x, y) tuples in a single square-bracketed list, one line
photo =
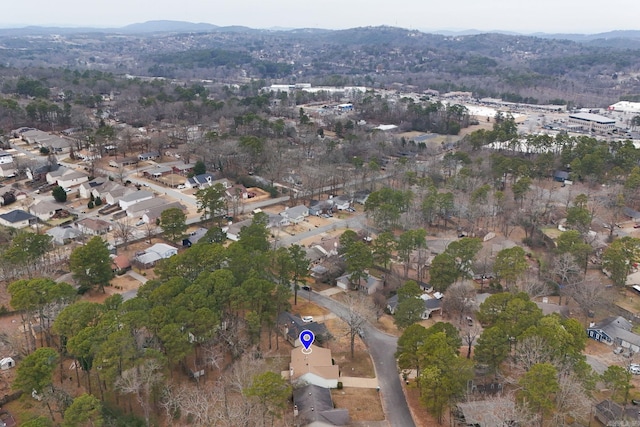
[(123, 230), (588, 294), (360, 310), (459, 300), (140, 381)]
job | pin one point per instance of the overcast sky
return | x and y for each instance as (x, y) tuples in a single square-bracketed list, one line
[(524, 16)]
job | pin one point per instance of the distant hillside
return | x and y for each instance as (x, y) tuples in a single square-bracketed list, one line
[(167, 26)]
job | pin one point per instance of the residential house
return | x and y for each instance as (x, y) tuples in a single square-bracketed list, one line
[(560, 176), (18, 219), (72, 178), (184, 169), (58, 145), (155, 253), (200, 181), (158, 172), (431, 305), (194, 237), (138, 209), (40, 171), (120, 263), (361, 196), (369, 285), (133, 198), (313, 406), (87, 187), (44, 210), (296, 214), (276, 221), (612, 414), (314, 366), (237, 192), (112, 193), (615, 330), (341, 203), (64, 235), (233, 231), (93, 227), (53, 175), (152, 155), (125, 161), (5, 158), (8, 170), (319, 207), (291, 325), (631, 213), (293, 179), (151, 215), (87, 155)]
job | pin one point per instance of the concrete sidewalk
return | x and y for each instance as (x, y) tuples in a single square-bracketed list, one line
[(358, 382)]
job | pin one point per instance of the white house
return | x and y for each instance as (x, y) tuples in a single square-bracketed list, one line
[(8, 170), (233, 231), (313, 367), (44, 210), (295, 214), (72, 178), (5, 157), (155, 253), (200, 181), (133, 198)]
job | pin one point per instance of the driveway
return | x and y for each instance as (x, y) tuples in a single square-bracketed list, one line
[(382, 348)]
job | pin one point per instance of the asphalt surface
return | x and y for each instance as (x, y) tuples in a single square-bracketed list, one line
[(382, 348)]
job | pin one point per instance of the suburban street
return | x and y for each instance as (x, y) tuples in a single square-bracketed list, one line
[(382, 348)]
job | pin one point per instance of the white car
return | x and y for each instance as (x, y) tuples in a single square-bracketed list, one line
[(307, 319), (181, 187), (634, 369)]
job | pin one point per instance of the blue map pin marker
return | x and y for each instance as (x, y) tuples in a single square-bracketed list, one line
[(306, 338)]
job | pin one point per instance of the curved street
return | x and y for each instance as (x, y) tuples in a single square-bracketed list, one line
[(382, 348)]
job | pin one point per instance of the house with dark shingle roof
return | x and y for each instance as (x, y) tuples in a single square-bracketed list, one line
[(313, 406), (18, 219), (615, 330), (291, 325)]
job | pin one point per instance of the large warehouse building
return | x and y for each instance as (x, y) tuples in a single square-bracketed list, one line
[(626, 107)]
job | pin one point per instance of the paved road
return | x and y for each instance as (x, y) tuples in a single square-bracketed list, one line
[(382, 348)]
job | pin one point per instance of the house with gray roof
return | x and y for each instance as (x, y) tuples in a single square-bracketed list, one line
[(64, 235), (615, 330), (131, 199), (313, 406), (431, 305), (290, 326), (200, 181), (296, 214), (44, 210), (152, 214), (18, 219), (8, 170)]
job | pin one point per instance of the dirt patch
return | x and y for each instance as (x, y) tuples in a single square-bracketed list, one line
[(363, 404), (386, 324), (360, 366)]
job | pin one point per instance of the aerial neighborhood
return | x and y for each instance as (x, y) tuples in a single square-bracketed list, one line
[(203, 237)]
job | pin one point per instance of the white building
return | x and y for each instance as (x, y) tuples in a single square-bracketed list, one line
[(5, 157), (592, 122)]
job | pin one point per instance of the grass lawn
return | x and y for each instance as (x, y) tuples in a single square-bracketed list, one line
[(363, 403)]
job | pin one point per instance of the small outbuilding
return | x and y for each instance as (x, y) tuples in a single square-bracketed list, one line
[(7, 363)]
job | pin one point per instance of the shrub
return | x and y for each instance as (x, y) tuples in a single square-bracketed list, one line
[(339, 385), (90, 204), (98, 201)]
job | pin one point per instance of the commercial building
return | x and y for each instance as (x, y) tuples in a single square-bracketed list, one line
[(591, 122)]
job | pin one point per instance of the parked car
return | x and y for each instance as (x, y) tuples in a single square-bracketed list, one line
[(139, 223), (636, 225), (306, 288), (181, 187), (634, 369), (307, 319), (618, 350)]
